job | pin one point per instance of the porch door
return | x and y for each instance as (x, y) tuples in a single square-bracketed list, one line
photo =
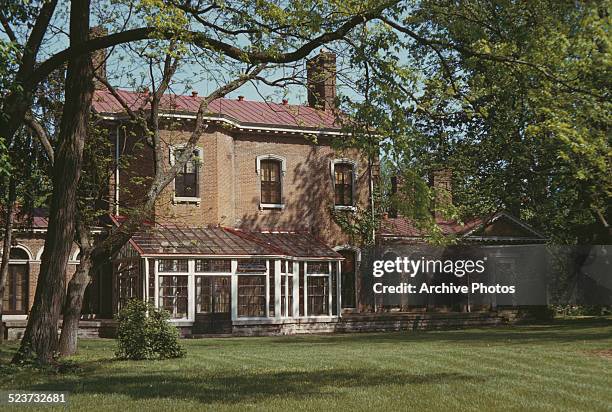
[(15, 299), (347, 276), (213, 304)]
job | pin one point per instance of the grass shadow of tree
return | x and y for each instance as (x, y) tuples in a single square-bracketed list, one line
[(209, 388)]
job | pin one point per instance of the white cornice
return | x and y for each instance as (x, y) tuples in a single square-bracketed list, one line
[(243, 127)]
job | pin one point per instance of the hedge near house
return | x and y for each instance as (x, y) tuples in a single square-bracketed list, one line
[(144, 333)]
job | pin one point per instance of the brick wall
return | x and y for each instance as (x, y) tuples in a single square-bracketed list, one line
[(230, 187), (34, 244)]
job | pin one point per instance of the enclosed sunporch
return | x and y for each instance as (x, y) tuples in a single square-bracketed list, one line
[(214, 278)]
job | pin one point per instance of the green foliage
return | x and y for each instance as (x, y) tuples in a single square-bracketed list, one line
[(513, 97), (145, 333)]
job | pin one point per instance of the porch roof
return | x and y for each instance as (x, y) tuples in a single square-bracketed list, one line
[(222, 241)]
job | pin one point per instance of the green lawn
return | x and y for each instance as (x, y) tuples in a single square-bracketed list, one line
[(564, 366)]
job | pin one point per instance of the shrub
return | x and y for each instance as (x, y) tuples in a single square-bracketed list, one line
[(144, 333)]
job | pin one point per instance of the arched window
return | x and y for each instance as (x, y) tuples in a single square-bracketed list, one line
[(343, 173), (18, 253), (187, 180), (15, 299), (270, 182)]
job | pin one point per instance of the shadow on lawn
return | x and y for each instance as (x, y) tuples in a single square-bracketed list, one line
[(248, 387)]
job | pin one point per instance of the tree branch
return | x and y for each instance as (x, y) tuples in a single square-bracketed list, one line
[(203, 41), (41, 134), (487, 56)]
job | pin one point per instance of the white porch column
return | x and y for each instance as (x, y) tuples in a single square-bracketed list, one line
[(339, 287), (329, 289), (296, 289), (156, 297), (234, 288), (145, 291), (191, 290), (305, 286), (267, 283), (277, 289)]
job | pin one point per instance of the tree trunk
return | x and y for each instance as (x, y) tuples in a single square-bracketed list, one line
[(76, 291), (6, 249), (40, 339), (73, 307)]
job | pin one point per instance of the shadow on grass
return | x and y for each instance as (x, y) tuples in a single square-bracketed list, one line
[(253, 386)]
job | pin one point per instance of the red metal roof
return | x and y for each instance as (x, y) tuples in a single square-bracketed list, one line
[(38, 218), (221, 241), (243, 112)]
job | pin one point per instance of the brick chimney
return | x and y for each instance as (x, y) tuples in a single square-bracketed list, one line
[(98, 57), (441, 182), (321, 80)]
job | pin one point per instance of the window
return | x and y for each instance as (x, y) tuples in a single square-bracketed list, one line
[(186, 182), (251, 266), (213, 294), (173, 265), (286, 288), (173, 295), (271, 287), (343, 184), (213, 265), (318, 293), (128, 282), (17, 253), (15, 299), (271, 182), (251, 296)]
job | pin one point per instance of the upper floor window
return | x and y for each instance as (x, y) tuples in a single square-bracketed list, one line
[(270, 182), (344, 178), (186, 182), (271, 169)]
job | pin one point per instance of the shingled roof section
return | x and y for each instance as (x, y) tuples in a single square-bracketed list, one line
[(220, 241), (243, 112)]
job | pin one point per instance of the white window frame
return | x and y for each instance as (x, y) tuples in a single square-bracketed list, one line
[(283, 162), (333, 164), (308, 275), (189, 274), (186, 199)]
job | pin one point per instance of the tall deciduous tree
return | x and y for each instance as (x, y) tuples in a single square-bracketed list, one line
[(40, 337), (245, 35)]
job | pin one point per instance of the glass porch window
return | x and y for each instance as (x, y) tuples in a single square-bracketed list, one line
[(287, 289), (318, 288), (173, 295), (318, 294), (251, 296), (128, 282), (213, 265), (272, 288), (173, 265)]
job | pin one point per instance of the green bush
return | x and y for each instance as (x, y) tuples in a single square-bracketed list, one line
[(144, 333)]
